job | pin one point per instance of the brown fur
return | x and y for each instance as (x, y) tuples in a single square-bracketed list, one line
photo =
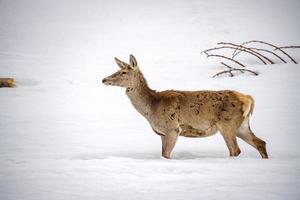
[(175, 113)]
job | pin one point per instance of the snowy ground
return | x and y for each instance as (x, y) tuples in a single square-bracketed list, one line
[(64, 135)]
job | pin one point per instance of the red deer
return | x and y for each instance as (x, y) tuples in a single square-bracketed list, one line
[(175, 113)]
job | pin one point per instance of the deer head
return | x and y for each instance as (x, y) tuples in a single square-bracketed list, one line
[(125, 77)]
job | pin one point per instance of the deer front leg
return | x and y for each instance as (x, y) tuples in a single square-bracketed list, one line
[(162, 143), (168, 143)]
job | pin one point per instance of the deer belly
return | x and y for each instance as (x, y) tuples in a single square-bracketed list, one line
[(189, 131)]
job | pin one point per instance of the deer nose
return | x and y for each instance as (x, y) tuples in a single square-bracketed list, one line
[(104, 80)]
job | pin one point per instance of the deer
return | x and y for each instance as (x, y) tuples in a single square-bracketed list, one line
[(174, 113)]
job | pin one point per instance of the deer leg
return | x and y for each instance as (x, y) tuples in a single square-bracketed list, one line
[(260, 146), (245, 133), (230, 139), (163, 141), (168, 143), (254, 141), (232, 145)]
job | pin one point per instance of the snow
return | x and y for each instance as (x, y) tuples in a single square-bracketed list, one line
[(64, 135)]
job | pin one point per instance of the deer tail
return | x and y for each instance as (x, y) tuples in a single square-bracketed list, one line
[(248, 103)]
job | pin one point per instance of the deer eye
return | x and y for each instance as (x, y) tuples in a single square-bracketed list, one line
[(124, 72)]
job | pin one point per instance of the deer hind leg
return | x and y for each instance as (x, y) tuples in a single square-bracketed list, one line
[(229, 135), (245, 133)]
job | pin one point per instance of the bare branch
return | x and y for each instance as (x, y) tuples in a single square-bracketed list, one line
[(241, 47), (223, 72), (287, 47), (275, 47), (205, 53), (230, 70), (268, 51), (234, 47), (226, 65), (259, 53), (237, 51), (220, 56)]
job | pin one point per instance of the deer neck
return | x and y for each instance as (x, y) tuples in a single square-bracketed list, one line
[(140, 95)]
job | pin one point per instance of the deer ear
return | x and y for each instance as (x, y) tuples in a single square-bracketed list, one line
[(120, 63), (133, 62)]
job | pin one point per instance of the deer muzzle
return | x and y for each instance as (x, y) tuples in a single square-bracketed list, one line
[(106, 81)]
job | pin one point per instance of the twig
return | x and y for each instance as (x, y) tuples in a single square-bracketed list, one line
[(228, 47), (240, 47), (230, 70), (275, 47), (226, 65), (220, 56), (287, 47), (264, 50), (268, 51)]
